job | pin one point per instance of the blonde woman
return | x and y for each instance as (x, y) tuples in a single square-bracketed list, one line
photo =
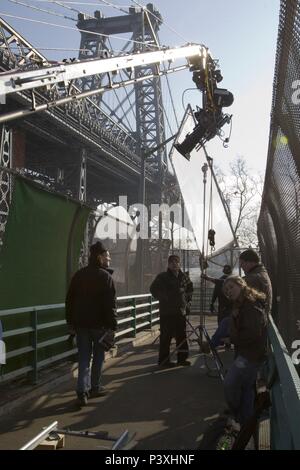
[(248, 333)]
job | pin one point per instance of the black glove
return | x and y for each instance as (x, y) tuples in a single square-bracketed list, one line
[(107, 340)]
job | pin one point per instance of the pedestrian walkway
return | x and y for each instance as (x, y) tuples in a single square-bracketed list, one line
[(166, 409)]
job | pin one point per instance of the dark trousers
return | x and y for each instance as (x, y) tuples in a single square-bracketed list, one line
[(88, 346), (223, 313), (239, 388), (172, 326)]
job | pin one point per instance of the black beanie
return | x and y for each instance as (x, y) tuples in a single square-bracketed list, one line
[(97, 249)]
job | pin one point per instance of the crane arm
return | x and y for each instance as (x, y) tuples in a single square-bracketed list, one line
[(18, 81)]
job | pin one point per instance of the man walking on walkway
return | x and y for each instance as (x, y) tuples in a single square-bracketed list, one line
[(90, 312), (171, 288)]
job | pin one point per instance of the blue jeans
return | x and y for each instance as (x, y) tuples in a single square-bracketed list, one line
[(239, 388), (88, 344), (221, 332)]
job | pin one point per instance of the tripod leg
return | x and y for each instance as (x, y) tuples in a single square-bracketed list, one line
[(157, 337), (178, 346), (217, 359)]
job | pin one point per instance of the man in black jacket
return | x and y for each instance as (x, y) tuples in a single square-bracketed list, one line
[(224, 309), (90, 311), (224, 305), (171, 288)]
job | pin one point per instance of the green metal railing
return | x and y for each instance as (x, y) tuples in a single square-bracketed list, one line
[(285, 395), (135, 313)]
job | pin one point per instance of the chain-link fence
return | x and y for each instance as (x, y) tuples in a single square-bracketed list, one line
[(279, 221)]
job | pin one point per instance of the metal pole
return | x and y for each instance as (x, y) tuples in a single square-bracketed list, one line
[(204, 170), (202, 282), (40, 437), (182, 224), (151, 311), (142, 200), (134, 318), (121, 441), (34, 322)]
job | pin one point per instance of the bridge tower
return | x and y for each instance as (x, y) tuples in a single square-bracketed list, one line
[(141, 107)]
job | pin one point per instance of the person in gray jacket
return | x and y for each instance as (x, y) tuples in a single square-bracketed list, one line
[(256, 276)]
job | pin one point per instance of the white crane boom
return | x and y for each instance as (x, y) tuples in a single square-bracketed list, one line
[(18, 81)]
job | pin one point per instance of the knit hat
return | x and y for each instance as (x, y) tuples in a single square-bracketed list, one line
[(97, 249)]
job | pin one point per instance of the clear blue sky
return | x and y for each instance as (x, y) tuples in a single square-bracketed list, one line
[(240, 33)]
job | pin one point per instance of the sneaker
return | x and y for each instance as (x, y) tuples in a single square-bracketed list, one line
[(82, 399), (184, 363), (166, 364), (95, 392)]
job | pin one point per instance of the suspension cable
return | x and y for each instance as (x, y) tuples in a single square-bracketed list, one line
[(116, 7), (42, 48), (172, 102), (66, 3), (168, 121), (49, 12), (68, 27), (119, 101), (160, 19), (65, 6)]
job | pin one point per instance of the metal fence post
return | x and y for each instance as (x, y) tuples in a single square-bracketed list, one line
[(151, 311), (34, 323), (134, 317)]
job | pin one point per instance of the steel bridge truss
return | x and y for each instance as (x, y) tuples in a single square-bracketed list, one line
[(5, 178), (143, 116), (94, 123)]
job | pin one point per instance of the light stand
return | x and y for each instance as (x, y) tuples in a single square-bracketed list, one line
[(202, 281)]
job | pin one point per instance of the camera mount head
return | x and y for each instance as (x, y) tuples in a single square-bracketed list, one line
[(210, 118)]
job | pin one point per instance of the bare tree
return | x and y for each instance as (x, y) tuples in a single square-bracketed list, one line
[(242, 192)]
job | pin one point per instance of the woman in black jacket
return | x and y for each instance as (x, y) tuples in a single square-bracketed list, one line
[(248, 333)]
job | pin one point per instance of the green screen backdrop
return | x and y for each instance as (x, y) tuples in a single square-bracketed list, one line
[(41, 246)]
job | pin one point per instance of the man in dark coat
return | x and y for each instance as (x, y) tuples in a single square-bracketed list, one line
[(172, 289), (224, 306), (90, 313), (189, 289)]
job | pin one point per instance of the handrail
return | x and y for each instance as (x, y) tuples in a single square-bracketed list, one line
[(129, 297), (13, 311), (285, 393), (140, 316)]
